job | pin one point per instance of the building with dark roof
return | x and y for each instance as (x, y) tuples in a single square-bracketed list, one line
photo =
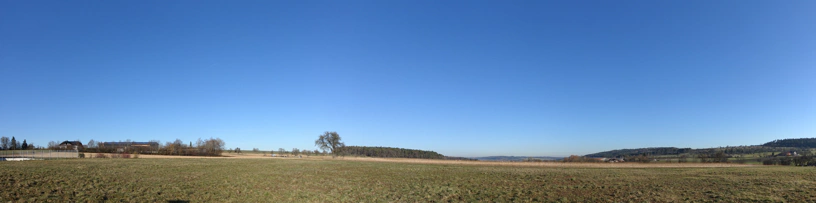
[(71, 145)]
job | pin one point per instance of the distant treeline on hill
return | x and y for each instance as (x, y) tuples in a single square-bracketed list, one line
[(785, 145), (641, 151), (798, 142), (390, 152)]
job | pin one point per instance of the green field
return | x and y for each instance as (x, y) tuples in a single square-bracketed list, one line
[(294, 180)]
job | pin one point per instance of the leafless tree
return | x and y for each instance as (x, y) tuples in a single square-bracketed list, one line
[(330, 141), (91, 144), (4, 143)]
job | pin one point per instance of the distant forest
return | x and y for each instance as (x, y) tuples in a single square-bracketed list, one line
[(798, 142), (641, 151), (390, 152), (774, 146)]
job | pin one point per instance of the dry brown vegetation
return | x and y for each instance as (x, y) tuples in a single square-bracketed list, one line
[(459, 162), (252, 178)]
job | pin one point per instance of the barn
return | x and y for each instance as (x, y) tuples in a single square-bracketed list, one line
[(71, 145)]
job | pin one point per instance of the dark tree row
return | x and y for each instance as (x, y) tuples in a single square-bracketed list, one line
[(14, 144), (678, 151), (389, 152), (798, 142), (207, 147), (640, 151), (805, 160)]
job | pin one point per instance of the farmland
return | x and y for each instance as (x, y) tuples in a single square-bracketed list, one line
[(377, 180)]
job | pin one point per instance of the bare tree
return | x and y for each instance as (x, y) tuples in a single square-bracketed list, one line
[(281, 151), (91, 144), (330, 141), (158, 146), (4, 143), (212, 146), (295, 151)]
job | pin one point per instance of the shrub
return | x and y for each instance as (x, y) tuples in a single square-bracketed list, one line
[(81, 155), (769, 162), (100, 155)]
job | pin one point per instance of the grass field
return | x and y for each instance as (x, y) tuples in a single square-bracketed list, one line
[(351, 180)]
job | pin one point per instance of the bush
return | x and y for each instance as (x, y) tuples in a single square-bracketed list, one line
[(785, 161), (100, 155), (769, 162), (81, 155)]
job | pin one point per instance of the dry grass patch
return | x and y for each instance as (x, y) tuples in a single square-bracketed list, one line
[(366, 180)]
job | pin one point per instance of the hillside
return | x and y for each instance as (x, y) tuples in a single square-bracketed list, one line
[(640, 151), (774, 146), (795, 142), (515, 158)]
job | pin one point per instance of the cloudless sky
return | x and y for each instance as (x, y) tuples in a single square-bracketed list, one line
[(463, 78)]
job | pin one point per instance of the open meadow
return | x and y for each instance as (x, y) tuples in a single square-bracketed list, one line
[(372, 180)]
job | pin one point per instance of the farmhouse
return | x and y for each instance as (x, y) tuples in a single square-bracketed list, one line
[(615, 160), (141, 147), (71, 145)]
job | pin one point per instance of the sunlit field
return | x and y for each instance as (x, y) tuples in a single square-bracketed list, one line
[(350, 180)]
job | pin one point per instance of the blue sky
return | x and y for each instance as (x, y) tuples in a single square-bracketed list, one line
[(463, 78)]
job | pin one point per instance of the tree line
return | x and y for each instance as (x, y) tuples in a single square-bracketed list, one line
[(14, 144), (797, 142), (389, 152), (331, 141), (639, 151), (206, 147), (658, 151)]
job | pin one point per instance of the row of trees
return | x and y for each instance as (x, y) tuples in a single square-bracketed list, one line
[(389, 152), (637, 152), (13, 144), (208, 147), (799, 143), (805, 160), (716, 157), (774, 146)]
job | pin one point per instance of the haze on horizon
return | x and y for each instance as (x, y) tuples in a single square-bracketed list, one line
[(462, 78)]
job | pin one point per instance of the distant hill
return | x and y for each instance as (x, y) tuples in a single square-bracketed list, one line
[(773, 146), (515, 158), (639, 151), (796, 142)]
